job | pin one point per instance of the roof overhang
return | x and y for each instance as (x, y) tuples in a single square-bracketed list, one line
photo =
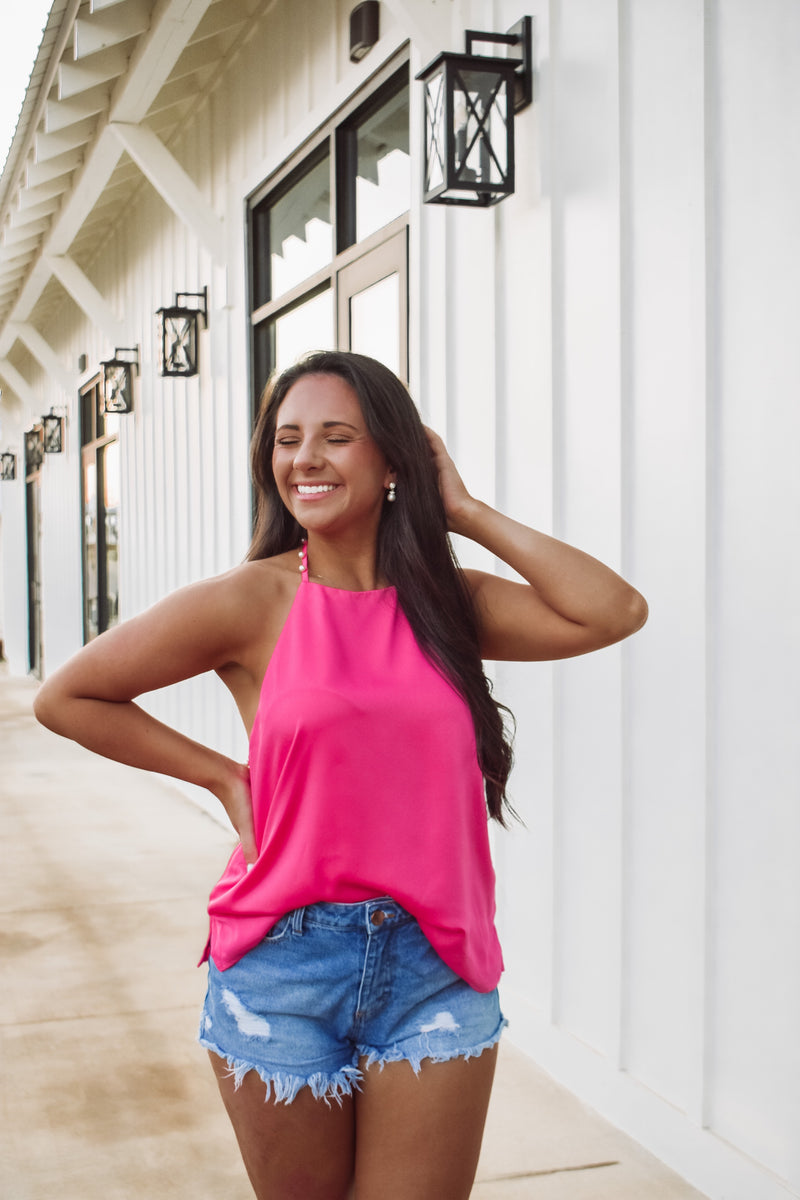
[(114, 83)]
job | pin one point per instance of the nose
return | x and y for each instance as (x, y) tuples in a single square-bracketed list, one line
[(307, 456)]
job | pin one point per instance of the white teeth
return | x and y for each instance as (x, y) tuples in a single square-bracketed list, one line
[(313, 489)]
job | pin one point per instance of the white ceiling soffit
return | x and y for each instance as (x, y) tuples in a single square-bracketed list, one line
[(118, 63)]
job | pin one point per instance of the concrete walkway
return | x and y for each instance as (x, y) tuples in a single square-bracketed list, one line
[(104, 1092)]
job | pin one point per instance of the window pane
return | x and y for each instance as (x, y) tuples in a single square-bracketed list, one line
[(300, 230), (383, 166), (375, 322), (90, 566), (309, 326), (110, 473)]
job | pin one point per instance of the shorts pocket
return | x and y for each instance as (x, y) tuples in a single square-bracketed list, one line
[(280, 928)]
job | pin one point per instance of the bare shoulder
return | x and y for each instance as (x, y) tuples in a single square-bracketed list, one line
[(476, 581), (228, 620), (264, 582), (243, 608)]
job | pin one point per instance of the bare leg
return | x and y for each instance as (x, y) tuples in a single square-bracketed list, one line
[(419, 1136), (298, 1151)]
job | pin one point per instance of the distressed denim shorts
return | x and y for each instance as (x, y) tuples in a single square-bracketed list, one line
[(332, 983)]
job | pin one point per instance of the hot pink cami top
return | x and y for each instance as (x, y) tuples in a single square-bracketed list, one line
[(365, 783)]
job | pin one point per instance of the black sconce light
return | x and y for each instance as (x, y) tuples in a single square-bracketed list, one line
[(470, 102), (364, 28), (118, 379), (53, 426), (34, 448), (8, 466), (178, 333)]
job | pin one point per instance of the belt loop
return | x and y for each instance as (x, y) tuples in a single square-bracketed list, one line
[(297, 920)]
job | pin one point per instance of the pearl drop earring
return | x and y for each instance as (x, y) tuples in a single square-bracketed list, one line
[(392, 496)]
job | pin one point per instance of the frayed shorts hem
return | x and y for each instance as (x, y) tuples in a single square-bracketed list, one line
[(283, 1087)]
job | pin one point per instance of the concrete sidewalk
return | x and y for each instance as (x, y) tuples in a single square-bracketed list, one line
[(104, 1092)]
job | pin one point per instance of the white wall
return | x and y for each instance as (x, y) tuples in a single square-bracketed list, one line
[(657, 967)]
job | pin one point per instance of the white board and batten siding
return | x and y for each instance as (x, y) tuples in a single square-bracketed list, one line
[(651, 910), (611, 354)]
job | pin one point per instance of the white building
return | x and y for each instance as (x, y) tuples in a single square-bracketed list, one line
[(612, 355)]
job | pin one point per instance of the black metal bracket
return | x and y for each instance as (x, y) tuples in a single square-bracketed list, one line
[(521, 36)]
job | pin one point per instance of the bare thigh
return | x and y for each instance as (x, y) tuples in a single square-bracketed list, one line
[(298, 1151), (418, 1137)]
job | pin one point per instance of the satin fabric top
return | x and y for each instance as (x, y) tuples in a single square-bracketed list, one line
[(365, 783)]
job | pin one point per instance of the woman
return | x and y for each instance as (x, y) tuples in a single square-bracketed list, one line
[(352, 1017)]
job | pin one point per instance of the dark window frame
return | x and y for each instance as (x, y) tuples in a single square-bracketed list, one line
[(336, 139)]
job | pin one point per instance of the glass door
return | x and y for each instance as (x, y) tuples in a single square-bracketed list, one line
[(100, 505), (33, 515), (373, 304)]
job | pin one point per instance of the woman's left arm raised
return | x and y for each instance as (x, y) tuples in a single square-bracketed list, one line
[(570, 604)]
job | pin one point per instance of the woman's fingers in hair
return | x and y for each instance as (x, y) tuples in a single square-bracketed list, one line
[(451, 486)]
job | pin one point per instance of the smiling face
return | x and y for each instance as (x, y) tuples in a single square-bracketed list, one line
[(329, 472)]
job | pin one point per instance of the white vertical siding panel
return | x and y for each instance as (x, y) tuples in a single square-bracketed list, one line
[(434, 300), (322, 52), (587, 512), (665, 354), (294, 65), (470, 321), (523, 336), (755, 1100)]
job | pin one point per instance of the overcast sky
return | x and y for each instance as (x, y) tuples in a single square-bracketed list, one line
[(21, 26)]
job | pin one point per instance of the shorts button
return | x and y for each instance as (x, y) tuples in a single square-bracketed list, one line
[(378, 918)]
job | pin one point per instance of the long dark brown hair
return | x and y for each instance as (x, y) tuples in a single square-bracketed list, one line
[(414, 553)]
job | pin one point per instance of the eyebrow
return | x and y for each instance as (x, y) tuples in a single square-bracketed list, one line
[(325, 425)]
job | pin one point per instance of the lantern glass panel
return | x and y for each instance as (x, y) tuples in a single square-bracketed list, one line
[(435, 129), (480, 127), (34, 448), (118, 387), (53, 435), (179, 342)]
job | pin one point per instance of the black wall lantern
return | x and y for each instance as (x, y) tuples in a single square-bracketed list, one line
[(178, 333), (470, 101), (118, 379), (8, 466), (34, 449), (53, 425)]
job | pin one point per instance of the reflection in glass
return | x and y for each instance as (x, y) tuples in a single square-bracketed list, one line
[(383, 170), (91, 590), (375, 322), (307, 327), (481, 118), (110, 473), (300, 230)]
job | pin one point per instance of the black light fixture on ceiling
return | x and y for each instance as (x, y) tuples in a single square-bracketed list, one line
[(470, 102), (8, 466), (34, 448), (53, 426), (178, 333), (118, 379)]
